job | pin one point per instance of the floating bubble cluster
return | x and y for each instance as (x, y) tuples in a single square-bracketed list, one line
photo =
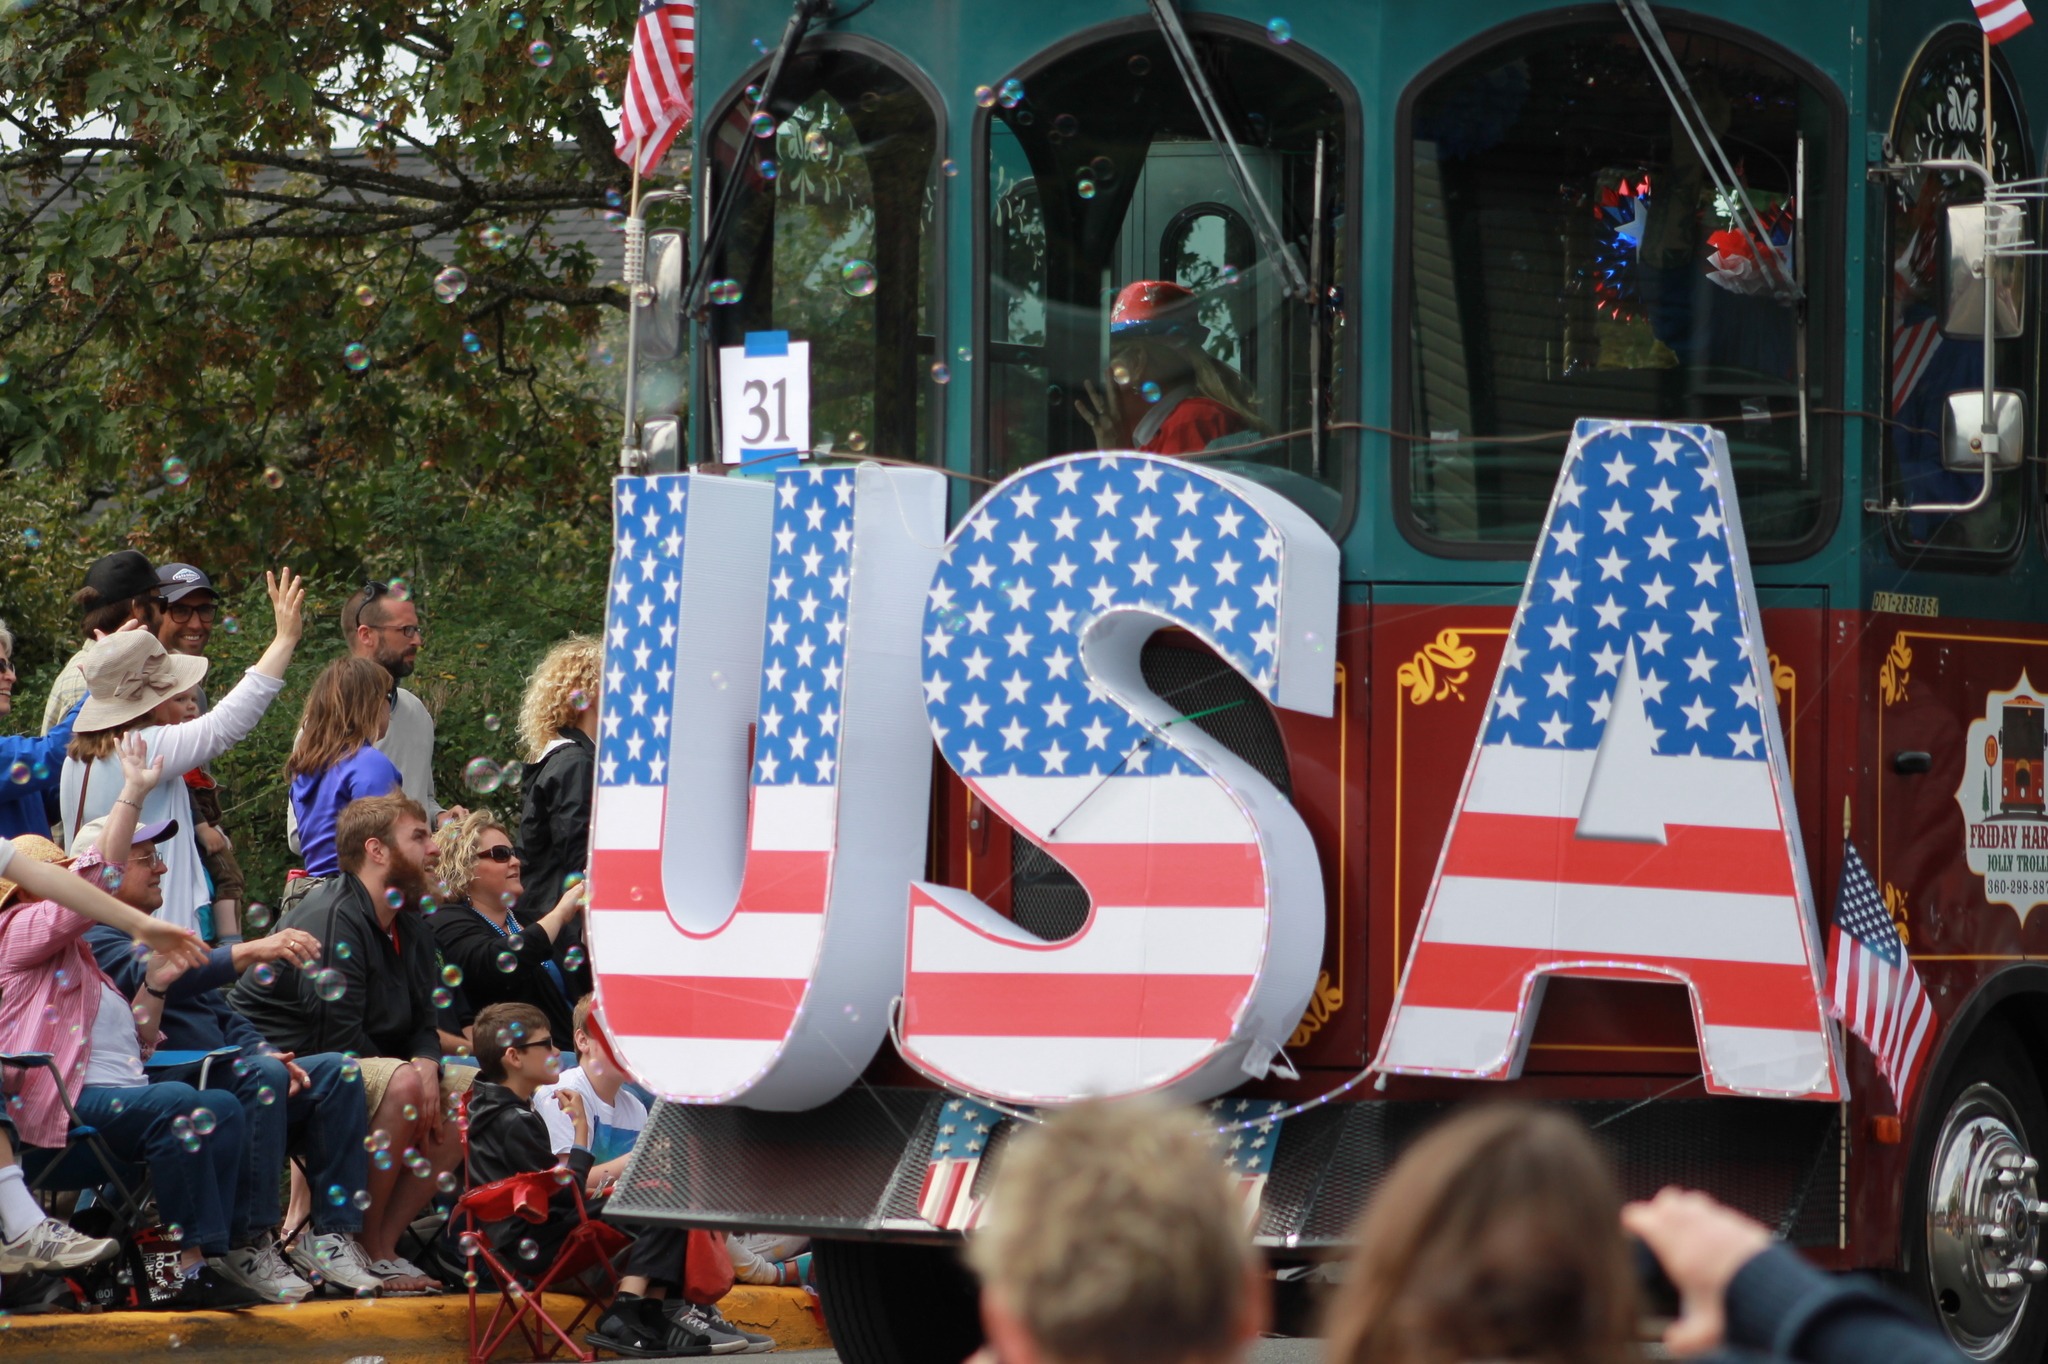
[(726, 291), (450, 283)]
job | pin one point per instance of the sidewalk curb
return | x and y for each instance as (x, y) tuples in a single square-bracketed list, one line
[(394, 1330)]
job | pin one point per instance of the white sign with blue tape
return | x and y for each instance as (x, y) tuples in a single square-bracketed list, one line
[(765, 389)]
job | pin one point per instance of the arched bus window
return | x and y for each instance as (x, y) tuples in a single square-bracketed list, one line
[(1102, 179), (836, 244), (1568, 254), (1940, 114)]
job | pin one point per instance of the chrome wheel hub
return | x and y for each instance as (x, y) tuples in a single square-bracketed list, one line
[(1983, 1222)]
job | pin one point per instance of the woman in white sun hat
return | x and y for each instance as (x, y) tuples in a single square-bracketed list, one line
[(134, 685)]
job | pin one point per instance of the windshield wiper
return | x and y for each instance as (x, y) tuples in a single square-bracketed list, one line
[(1264, 224), (806, 13)]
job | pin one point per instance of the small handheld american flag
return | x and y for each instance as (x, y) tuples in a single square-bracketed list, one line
[(660, 96), (948, 1201), (1876, 990), (1248, 1151), (2002, 18)]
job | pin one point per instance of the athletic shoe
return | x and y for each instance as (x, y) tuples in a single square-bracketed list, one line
[(724, 1337), (49, 1244), (262, 1270), (636, 1327), (336, 1258), (398, 1267), (756, 1343), (208, 1290)]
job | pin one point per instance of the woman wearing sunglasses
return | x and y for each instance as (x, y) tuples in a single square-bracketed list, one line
[(502, 960)]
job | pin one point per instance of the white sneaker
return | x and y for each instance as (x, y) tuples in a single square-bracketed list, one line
[(262, 1270), (50, 1244), (335, 1257)]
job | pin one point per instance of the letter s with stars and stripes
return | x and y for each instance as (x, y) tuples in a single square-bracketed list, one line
[(1627, 813), (746, 909), (1205, 926)]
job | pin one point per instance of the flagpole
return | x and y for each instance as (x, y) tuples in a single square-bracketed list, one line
[(631, 459), (1990, 163)]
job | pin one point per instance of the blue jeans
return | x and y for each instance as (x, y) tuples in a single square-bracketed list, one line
[(198, 1190), (324, 1124)]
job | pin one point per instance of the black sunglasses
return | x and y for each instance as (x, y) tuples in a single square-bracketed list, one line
[(183, 611), (504, 852), (528, 1046)]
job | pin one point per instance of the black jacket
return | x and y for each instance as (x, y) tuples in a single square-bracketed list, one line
[(554, 840), (469, 942), (506, 1137), (386, 1005), (1782, 1308)]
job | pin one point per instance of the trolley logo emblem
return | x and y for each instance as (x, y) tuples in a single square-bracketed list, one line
[(2004, 797)]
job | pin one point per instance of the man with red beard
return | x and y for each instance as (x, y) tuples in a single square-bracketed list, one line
[(371, 994)]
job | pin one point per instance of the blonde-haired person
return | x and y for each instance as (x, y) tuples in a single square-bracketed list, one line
[(134, 685), (503, 958), (558, 730), (1501, 1234), (1114, 1234), (335, 760)]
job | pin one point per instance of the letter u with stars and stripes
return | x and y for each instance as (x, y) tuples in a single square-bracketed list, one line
[(1205, 925), (1627, 812), (746, 903)]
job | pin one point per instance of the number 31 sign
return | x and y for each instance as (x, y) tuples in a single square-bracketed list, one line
[(765, 388)]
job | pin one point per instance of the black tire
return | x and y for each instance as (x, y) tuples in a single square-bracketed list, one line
[(897, 1304), (1988, 1118)]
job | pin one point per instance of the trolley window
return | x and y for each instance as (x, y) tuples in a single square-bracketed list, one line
[(1570, 254), (1121, 259), (835, 243)]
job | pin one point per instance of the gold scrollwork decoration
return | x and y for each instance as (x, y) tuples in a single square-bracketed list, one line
[(1421, 675), (1321, 1008), (1895, 901), (1891, 674), (1783, 678)]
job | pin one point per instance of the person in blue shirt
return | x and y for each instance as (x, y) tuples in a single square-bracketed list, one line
[(335, 761), (30, 769)]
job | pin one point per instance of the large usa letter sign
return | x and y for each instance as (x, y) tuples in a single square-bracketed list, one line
[(746, 920), (1206, 922), (1628, 812)]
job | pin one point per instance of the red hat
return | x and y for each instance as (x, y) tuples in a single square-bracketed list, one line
[(1155, 307)]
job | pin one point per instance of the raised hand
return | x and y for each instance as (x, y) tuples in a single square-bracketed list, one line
[(287, 603), (139, 775)]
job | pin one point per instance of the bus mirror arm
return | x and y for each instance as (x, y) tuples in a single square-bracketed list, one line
[(639, 294)]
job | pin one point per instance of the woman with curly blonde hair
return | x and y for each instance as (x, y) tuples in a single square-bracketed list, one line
[(558, 728), (504, 958)]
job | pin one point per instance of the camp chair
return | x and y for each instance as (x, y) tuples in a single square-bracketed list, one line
[(590, 1245)]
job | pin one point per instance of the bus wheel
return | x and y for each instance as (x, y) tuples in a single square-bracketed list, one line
[(1979, 1243), (897, 1304)]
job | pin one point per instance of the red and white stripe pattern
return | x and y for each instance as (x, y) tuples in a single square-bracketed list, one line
[(660, 94), (947, 1200), (2002, 18), (1877, 990), (1913, 348)]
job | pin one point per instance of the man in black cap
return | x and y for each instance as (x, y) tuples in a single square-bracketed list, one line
[(119, 587), (191, 606)]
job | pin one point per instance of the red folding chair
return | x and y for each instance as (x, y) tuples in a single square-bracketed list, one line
[(521, 1306)]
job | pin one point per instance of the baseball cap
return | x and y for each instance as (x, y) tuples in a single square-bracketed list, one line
[(180, 581), (121, 575), (88, 836), (1155, 307)]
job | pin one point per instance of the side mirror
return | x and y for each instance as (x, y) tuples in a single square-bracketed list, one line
[(663, 442), (661, 320), (1962, 431), (1972, 237)]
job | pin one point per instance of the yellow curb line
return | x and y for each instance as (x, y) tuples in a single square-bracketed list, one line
[(395, 1330)]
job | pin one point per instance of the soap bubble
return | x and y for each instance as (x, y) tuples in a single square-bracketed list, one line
[(1065, 126), (19, 773), (263, 973), (450, 283), (394, 897), (857, 277), (336, 1195), (366, 297), (39, 769), (31, 537), (528, 1248), (471, 342), (174, 1232), (941, 375), (329, 984), (985, 96), (573, 958), (265, 1095), (856, 441), (381, 1160), (816, 143), (768, 171), (443, 997), (1140, 66), (506, 962), (762, 124), (1150, 391), (1085, 187), (613, 198), (176, 473), (356, 356), (492, 720), (351, 1069), (515, 21), (361, 1200), (452, 974), (344, 950), (540, 53), (231, 624), (949, 167), (579, 700), (401, 589), (726, 291), (190, 1141), (493, 237), (1120, 374), (446, 1183), (1011, 95), (203, 1121), (273, 477), (482, 775), (6, 372), (182, 1125), (1279, 30), (256, 916), (379, 1140), (418, 1166)]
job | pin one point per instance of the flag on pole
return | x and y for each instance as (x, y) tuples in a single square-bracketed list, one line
[(2002, 18), (660, 95), (1876, 990), (947, 1200)]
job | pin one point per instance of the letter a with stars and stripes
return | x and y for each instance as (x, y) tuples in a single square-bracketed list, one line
[(746, 910), (1627, 813), (1206, 895)]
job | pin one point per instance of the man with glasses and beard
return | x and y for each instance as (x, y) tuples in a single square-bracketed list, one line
[(191, 606), (370, 994)]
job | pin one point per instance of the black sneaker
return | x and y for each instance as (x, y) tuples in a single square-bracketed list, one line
[(724, 1337), (208, 1291), (635, 1327)]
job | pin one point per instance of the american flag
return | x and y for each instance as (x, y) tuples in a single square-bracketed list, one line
[(1876, 990), (2002, 18), (1626, 813), (660, 96), (947, 1200), (730, 995), (1913, 348), (1248, 1151), (1159, 977)]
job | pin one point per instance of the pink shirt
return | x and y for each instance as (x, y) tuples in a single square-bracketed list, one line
[(50, 987)]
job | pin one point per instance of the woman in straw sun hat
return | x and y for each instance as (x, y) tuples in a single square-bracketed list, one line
[(135, 686)]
